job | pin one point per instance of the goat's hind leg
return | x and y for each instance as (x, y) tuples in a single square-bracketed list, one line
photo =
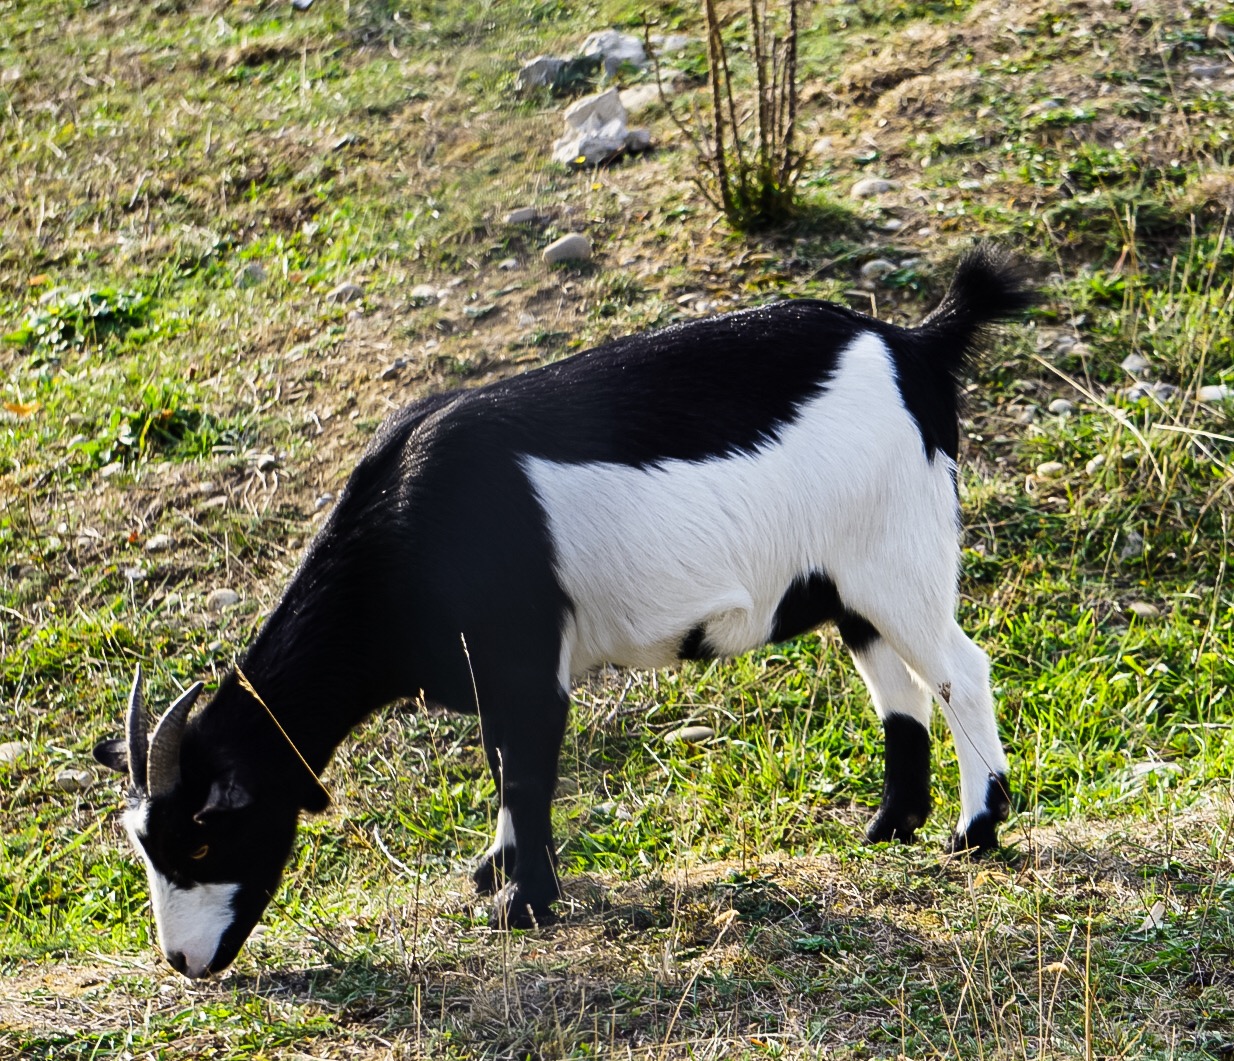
[(497, 863), (904, 706)]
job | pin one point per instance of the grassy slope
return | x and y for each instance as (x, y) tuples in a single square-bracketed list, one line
[(720, 903)]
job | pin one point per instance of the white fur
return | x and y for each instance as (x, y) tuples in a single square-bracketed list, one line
[(504, 836), (647, 554), (190, 921)]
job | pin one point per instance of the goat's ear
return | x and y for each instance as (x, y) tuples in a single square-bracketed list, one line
[(226, 794), (112, 754)]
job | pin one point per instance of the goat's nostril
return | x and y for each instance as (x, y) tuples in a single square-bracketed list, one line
[(179, 962)]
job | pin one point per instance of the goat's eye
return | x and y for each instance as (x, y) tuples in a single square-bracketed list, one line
[(200, 853)]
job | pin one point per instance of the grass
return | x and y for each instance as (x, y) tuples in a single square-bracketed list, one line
[(184, 185)]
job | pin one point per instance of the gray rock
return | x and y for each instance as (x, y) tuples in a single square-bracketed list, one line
[(219, 599), (640, 97), (345, 292), (669, 43), (12, 750), (70, 780), (250, 275), (877, 268), (690, 735), (1215, 392), (1133, 363), (136, 573), (1095, 464), (1061, 407), (1050, 469), (158, 543), (1133, 545), (423, 294), (573, 247), (541, 72), (522, 215), (868, 187), (614, 49), (1142, 609)]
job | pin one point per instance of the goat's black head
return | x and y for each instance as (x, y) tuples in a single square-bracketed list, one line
[(214, 832)]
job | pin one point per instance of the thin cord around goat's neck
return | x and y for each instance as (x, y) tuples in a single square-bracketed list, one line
[(248, 687)]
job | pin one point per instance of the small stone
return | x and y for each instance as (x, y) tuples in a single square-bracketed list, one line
[(573, 247), (392, 370), (1061, 407), (158, 543), (507, 264), (615, 49), (171, 601), (12, 750), (1142, 609), (74, 780), (1215, 392), (219, 599), (1050, 469), (542, 71), (325, 499), (690, 735), (265, 462), (892, 224), (250, 275), (345, 292), (136, 573), (669, 42), (1133, 363), (1136, 391), (1163, 392), (108, 470), (1133, 545), (1095, 465), (877, 268), (423, 294), (1027, 414), (640, 97), (522, 215), (868, 187)]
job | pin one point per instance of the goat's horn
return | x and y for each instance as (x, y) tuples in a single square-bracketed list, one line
[(163, 771), (135, 734)]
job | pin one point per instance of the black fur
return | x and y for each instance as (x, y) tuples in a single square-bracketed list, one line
[(906, 782), (982, 831)]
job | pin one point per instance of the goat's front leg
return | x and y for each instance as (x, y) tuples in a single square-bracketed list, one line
[(526, 752)]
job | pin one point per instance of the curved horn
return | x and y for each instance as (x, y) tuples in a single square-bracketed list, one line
[(135, 734), (163, 771)]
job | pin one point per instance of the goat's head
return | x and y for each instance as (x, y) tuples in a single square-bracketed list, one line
[(214, 835)]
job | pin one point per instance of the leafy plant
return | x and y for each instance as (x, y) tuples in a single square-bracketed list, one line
[(81, 318)]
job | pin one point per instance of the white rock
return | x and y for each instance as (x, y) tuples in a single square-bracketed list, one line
[(1095, 465), (108, 470), (581, 150), (345, 292), (669, 42), (522, 215), (877, 268), (265, 462), (640, 97), (1215, 392), (616, 48), (219, 599), (12, 750), (136, 573), (423, 294), (871, 186), (541, 71), (573, 247), (157, 543), (70, 780), (1133, 363), (1050, 469), (1142, 609), (603, 106), (1061, 407), (690, 735)]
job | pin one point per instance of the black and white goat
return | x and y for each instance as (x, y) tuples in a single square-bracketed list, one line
[(691, 493)]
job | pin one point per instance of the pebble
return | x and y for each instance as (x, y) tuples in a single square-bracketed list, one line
[(423, 294), (172, 600), (1095, 464), (573, 247), (108, 470), (892, 224), (1050, 469), (157, 543), (507, 264), (265, 462), (219, 599), (871, 186), (345, 292), (1141, 609), (690, 735), (74, 780), (522, 215), (136, 573), (393, 369), (877, 268), (1215, 392), (250, 275), (12, 750), (1061, 407), (1133, 363), (325, 499)]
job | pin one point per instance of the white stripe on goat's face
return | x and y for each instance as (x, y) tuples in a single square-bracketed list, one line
[(191, 920)]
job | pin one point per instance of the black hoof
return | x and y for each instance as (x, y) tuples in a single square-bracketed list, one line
[(493, 871), (981, 834), (513, 909), (889, 824)]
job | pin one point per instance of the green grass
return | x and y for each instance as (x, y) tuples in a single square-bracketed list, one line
[(719, 900)]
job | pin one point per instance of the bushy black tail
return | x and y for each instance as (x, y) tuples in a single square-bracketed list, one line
[(988, 286)]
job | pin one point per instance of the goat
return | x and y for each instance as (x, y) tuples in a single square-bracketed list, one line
[(685, 494)]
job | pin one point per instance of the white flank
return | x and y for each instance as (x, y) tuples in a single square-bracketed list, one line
[(648, 554)]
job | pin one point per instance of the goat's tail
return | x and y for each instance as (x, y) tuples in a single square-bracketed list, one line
[(988, 286)]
